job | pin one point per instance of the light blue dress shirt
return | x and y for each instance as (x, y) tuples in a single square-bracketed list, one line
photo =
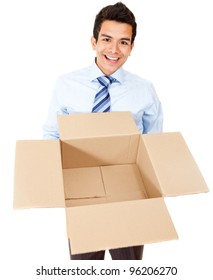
[(75, 93)]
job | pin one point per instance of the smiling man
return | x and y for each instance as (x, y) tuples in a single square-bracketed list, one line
[(113, 45), (105, 86)]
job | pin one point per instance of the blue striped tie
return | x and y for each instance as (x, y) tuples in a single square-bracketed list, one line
[(102, 99)]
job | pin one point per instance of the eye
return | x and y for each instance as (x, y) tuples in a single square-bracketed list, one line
[(126, 43), (106, 39)]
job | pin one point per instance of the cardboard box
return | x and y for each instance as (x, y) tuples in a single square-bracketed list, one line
[(110, 179)]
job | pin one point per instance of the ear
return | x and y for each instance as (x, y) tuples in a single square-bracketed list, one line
[(93, 43), (132, 46)]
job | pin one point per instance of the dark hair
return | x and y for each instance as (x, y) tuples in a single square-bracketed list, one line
[(117, 12)]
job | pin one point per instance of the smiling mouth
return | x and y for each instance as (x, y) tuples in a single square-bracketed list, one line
[(114, 59)]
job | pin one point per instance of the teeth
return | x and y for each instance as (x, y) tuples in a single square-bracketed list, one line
[(112, 58)]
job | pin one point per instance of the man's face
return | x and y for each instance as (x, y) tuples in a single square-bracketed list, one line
[(113, 45)]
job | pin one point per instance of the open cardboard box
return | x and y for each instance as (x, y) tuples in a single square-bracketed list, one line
[(111, 179)]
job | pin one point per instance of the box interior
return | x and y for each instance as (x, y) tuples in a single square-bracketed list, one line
[(128, 167), (103, 170)]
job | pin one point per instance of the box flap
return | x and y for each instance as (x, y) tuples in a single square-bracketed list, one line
[(95, 125), (175, 169), (38, 180), (134, 222)]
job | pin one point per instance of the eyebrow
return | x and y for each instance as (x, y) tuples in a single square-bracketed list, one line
[(108, 36)]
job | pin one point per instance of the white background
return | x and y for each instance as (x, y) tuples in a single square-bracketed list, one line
[(42, 39)]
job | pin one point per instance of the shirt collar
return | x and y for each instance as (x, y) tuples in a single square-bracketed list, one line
[(96, 72)]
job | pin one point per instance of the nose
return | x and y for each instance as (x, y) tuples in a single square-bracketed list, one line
[(114, 47)]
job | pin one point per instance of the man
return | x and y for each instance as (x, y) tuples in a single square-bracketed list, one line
[(113, 40)]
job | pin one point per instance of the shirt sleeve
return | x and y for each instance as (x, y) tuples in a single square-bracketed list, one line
[(50, 127), (152, 118)]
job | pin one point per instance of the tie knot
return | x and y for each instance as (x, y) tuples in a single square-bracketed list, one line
[(106, 80)]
